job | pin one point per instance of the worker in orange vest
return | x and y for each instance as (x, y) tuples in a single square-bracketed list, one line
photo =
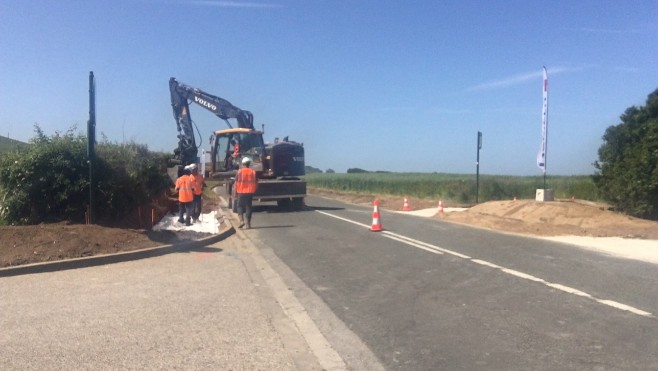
[(232, 157), (235, 155), (245, 187), (185, 190), (199, 184)]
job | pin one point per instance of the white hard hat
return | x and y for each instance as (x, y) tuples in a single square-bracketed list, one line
[(246, 160), (192, 166)]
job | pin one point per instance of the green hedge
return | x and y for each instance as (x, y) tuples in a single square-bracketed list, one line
[(49, 180)]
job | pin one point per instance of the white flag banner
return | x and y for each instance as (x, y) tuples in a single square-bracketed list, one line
[(541, 156)]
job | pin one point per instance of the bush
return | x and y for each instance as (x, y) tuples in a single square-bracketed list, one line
[(49, 180), (128, 176)]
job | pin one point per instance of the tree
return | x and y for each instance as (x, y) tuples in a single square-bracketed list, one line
[(627, 169), (312, 170)]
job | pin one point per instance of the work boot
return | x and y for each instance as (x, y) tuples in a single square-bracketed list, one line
[(241, 220), (187, 222), (248, 224)]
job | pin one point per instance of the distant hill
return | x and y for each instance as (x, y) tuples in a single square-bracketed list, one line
[(7, 144)]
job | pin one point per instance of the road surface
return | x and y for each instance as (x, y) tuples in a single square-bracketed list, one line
[(427, 295)]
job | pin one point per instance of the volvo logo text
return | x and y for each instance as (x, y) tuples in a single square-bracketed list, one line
[(205, 103)]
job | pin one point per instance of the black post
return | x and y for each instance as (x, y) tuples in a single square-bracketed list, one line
[(91, 140), (477, 169)]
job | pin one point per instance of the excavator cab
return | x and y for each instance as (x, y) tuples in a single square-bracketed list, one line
[(225, 159)]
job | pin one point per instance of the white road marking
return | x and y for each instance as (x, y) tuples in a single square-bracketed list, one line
[(343, 219), (439, 250), (435, 248), (413, 244), (522, 275), (482, 262), (568, 290), (621, 306)]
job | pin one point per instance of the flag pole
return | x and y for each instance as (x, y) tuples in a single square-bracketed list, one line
[(546, 124), (541, 156)]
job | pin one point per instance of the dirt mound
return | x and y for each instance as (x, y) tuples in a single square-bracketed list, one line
[(555, 218)]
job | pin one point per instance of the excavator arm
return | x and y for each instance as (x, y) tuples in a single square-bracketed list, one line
[(181, 95)]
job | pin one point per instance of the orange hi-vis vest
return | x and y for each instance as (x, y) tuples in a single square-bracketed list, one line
[(185, 188), (245, 181), (197, 182)]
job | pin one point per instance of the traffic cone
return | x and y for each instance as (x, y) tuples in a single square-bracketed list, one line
[(406, 206), (376, 223), (440, 211)]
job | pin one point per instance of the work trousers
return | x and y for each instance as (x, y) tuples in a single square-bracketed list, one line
[(185, 210), (244, 205), (197, 204)]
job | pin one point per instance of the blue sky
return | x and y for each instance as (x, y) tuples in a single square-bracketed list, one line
[(378, 85)]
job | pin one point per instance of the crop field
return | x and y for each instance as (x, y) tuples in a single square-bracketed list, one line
[(459, 188)]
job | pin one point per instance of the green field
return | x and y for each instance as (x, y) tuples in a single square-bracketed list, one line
[(459, 188)]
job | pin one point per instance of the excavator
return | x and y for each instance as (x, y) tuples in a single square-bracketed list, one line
[(278, 165)]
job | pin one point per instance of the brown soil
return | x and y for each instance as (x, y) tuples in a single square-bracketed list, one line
[(49, 242)]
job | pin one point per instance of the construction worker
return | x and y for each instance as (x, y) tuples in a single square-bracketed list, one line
[(185, 190), (245, 187), (231, 161), (199, 184), (236, 149)]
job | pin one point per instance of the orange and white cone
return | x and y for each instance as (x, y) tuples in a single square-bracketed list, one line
[(376, 223), (440, 211), (406, 206)]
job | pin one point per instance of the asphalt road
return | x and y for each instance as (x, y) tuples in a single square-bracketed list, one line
[(427, 295), (204, 309)]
